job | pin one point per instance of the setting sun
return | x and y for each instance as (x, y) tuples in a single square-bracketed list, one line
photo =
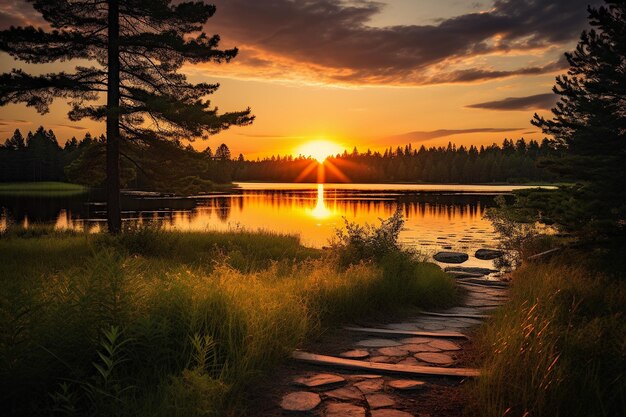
[(319, 149)]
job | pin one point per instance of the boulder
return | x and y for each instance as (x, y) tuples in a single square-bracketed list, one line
[(488, 254), (451, 257)]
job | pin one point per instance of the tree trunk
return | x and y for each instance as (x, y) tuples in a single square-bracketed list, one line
[(114, 220)]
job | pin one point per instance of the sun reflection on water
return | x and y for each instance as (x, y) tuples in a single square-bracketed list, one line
[(320, 211)]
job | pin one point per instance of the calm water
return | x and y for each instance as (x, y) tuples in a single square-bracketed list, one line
[(437, 216)]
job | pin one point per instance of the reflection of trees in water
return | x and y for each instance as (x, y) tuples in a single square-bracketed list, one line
[(359, 203), (222, 207)]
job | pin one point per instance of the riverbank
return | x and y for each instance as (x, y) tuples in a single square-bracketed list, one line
[(170, 323), (41, 189), (557, 347)]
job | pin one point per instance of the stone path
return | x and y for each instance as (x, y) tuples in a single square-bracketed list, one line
[(391, 367)]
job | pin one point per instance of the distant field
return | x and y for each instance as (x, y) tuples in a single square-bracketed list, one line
[(50, 189)]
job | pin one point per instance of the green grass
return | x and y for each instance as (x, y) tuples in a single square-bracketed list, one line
[(155, 323), (558, 348), (41, 189)]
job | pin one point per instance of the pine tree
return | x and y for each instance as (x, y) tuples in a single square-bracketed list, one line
[(589, 128), (137, 48)]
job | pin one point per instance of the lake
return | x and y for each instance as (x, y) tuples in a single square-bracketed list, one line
[(437, 216)]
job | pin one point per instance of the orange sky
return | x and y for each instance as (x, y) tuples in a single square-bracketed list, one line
[(376, 74)]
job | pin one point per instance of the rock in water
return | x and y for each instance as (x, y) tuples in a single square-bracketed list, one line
[(470, 270), (300, 401), (344, 410), (488, 254), (406, 384), (451, 257)]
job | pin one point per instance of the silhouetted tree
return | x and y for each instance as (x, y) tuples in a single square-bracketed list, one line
[(589, 127), (139, 46), (222, 153)]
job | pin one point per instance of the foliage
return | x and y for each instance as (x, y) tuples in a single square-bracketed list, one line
[(557, 347), (589, 128), (198, 317), (355, 243)]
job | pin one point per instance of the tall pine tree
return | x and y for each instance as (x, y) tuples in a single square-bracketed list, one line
[(137, 48), (589, 127)]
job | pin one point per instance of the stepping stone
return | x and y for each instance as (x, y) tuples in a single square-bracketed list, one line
[(344, 410), (488, 254), (378, 343), (444, 345), (300, 401), (436, 358), (379, 401), (319, 380), (451, 257), (365, 376), (406, 384), (423, 347), (409, 361), (387, 412), (370, 386), (355, 354), (345, 394), (460, 274), (393, 351)]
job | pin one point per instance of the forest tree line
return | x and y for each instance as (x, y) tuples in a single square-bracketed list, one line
[(174, 167)]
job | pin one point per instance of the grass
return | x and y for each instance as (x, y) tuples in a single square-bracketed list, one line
[(155, 323), (558, 347), (41, 189)]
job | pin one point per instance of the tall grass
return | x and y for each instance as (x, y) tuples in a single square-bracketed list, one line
[(558, 347), (175, 324)]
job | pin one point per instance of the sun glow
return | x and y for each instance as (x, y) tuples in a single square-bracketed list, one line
[(319, 149)]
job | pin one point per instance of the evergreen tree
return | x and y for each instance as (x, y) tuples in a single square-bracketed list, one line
[(589, 128), (137, 47)]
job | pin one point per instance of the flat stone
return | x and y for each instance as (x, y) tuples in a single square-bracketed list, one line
[(451, 257), (436, 358), (460, 274), (344, 410), (387, 412), (422, 347), (379, 400), (300, 401), (345, 394), (393, 351), (411, 361), (406, 384), (370, 386), (488, 254), (377, 343), (319, 380), (355, 354), (444, 345), (365, 376)]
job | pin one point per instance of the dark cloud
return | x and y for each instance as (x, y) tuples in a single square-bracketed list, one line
[(536, 102), (75, 127), (334, 39), (422, 136)]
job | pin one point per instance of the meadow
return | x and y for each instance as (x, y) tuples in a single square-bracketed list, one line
[(180, 324)]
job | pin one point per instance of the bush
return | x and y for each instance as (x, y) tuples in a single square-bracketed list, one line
[(355, 243)]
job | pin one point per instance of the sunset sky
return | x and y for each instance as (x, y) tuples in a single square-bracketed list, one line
[(365, 73)]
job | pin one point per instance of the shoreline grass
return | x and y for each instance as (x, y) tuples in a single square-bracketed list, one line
[(176, 323), (41, 189), (557, 348)]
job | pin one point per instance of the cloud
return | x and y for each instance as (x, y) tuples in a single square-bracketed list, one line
[(75, 127), (332, 41), (13, 122), (536, 102), (422, 136), (263, 135)]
